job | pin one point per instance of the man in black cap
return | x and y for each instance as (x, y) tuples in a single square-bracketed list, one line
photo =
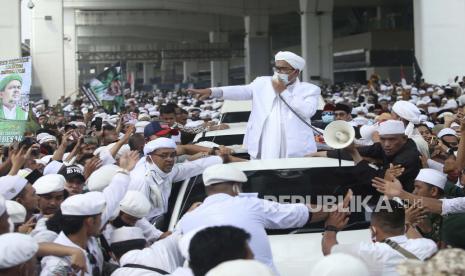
[(74, 179), (342, 112)]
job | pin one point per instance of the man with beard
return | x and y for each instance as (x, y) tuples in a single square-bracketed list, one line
[(10, 94)]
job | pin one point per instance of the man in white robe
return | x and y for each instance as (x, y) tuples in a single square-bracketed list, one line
[(273, 130)]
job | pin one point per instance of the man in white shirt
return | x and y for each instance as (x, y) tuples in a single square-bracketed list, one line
[(389, 246), (273, 129), (223, 206)]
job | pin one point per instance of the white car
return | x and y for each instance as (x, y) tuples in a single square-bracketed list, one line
[(232, 137), (295, 251), (235, 111)]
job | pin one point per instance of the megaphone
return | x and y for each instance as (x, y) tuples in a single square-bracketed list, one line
[(339, 134)]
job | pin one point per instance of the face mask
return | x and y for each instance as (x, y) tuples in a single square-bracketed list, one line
[(327, 118), (284, 78)]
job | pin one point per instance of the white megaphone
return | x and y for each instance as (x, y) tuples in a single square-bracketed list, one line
[(339, 134)]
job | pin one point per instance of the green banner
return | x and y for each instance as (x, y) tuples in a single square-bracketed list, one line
[(11, 130)]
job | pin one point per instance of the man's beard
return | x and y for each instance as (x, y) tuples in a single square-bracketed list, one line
[(118, 223)]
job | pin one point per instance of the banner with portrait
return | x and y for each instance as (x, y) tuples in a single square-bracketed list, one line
[(15, 85), (105, 89)]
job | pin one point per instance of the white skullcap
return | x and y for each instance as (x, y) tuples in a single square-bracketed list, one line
[(340, 264), (294, 60), (432, 177), (240, 267), (2, 205), (49, 183), (53, 167), (390, 127), (101, 178), (16, 249), (88, 204), (430, 89), (135, 204), (447, 131), (429, 125), (125, 233), (366, 131), (47, 138), (222, 173), (144, 117), (42, 135), (11, 186), (159, 143), (407, 111), (140, 126), (16, 211), (44, 236)]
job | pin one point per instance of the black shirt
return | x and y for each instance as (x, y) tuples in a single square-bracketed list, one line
[(408, 157)]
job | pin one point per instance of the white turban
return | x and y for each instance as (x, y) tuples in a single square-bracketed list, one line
[(240, 267), (16, 249), (294, 60), (340, 264), (391, 127), (407, 111), (432, 177), (47, 138), (159, 143), (447, 131)]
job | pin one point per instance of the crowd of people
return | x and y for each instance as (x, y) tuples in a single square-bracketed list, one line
[(86, 192)]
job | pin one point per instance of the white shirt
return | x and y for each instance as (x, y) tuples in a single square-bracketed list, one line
[(254, 215), (156, 186), (10, 114), (453, 205), (113, 194), (163, 254), (292, 134), (382, 259)]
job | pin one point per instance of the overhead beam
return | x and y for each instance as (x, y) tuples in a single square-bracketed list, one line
[(226, 7), (162, 19)]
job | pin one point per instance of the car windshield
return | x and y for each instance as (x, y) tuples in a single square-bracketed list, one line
[(235, 117), (225, 140), (295, 185)]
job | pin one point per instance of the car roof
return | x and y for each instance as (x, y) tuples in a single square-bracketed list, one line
[(236, 106), (290, 163)]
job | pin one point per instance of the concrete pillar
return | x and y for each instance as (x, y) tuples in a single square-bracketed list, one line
[(317, 39), (167, 71), (219, 69), (69, 52), (149, 72), (10, 29), (189, 67), (47, 49), (439, 39), (257, 47)]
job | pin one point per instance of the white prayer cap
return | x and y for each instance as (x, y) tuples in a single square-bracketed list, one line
[(414, 91), (429, 125), (391, 127), (11, 186), (294, 60), (450, 104), (422, 92), (16, 249), (144, 117), (135, 204), (240, 267), (141, 125), (101, 178), (159, 143), (2, 205), (44, 236), (125, 233), (407, 111), (221, 173), (421, 102), (340, 264), (432, 109), (16, 211), (47, 138), (88, 204), (53, 167), (430, 89), (446, 131), (432, 177), (49, 183)]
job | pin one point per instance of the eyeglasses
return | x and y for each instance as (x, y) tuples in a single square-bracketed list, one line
[(166, 156), (286, 70)]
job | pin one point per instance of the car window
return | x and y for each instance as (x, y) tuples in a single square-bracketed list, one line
[(235, 117), (287, 185), (226, 140)]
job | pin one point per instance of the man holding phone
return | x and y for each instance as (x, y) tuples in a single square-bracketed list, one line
[(280, 104)]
